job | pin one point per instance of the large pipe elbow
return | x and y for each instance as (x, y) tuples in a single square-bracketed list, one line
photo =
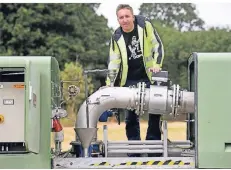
[(105, 99)]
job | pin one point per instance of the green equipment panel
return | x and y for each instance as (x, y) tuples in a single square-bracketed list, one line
[(40, 74), (212, 82)]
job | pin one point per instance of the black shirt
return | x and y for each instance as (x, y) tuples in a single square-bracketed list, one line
[(136, 69)]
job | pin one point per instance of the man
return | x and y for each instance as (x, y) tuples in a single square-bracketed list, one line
[(136, 51)]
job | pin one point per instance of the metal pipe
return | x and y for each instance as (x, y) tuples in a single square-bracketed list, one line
[(186, 145), (136, 147), (57, 146), (158, 142), (95, 71), (187, 102), (105, 139), (157, 99), (178, 146), (170, 150), (105, 99), (85, 86), (85, 152), (180, 142), (58, 138), (151, 142), (165, 136), (136, 151), (157, 145), (87, 99)]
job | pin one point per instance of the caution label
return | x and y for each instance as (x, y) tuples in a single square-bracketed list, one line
[(18, 86), (101, 164), (158, 163)]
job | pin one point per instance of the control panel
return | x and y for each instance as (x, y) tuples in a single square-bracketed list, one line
[(12, 111)]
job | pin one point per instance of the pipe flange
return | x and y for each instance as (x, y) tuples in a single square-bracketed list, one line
[(142, 103), (140, 97), (137, 103), (177, 100), (173, 99)]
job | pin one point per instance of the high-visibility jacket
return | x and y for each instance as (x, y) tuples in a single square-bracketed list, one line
[(151, 47)]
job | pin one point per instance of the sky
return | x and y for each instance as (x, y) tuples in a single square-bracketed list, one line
[(213, 13)]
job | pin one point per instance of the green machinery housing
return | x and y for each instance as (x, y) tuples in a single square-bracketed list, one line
[(30, 89), (209, 78)]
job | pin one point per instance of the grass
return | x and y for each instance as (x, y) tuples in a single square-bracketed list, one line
[(176, 131)]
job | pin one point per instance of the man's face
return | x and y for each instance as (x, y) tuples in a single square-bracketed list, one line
[(125, 19)]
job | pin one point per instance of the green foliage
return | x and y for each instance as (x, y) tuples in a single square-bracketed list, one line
[(74, 71), (182, 16), (179, 45)]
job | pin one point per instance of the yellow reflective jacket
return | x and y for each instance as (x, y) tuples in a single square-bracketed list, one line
[(151, 46)]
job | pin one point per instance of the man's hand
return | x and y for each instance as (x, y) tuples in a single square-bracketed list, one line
[(155, 69)]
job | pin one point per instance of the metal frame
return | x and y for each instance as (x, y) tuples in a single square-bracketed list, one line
[(124, 163), (133, 146), (145, 146)]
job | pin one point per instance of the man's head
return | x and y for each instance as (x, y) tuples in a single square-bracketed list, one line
[(125, 17)]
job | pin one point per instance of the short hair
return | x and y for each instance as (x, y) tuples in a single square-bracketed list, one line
[(124, 6)]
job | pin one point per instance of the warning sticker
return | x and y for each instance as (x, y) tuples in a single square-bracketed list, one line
[(167, 162), (19, 86)]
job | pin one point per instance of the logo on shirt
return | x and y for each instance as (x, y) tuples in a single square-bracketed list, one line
[(134, 48)]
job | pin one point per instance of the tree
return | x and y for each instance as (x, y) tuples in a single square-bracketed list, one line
[(182, 16), (68, 32), (74, 71)]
